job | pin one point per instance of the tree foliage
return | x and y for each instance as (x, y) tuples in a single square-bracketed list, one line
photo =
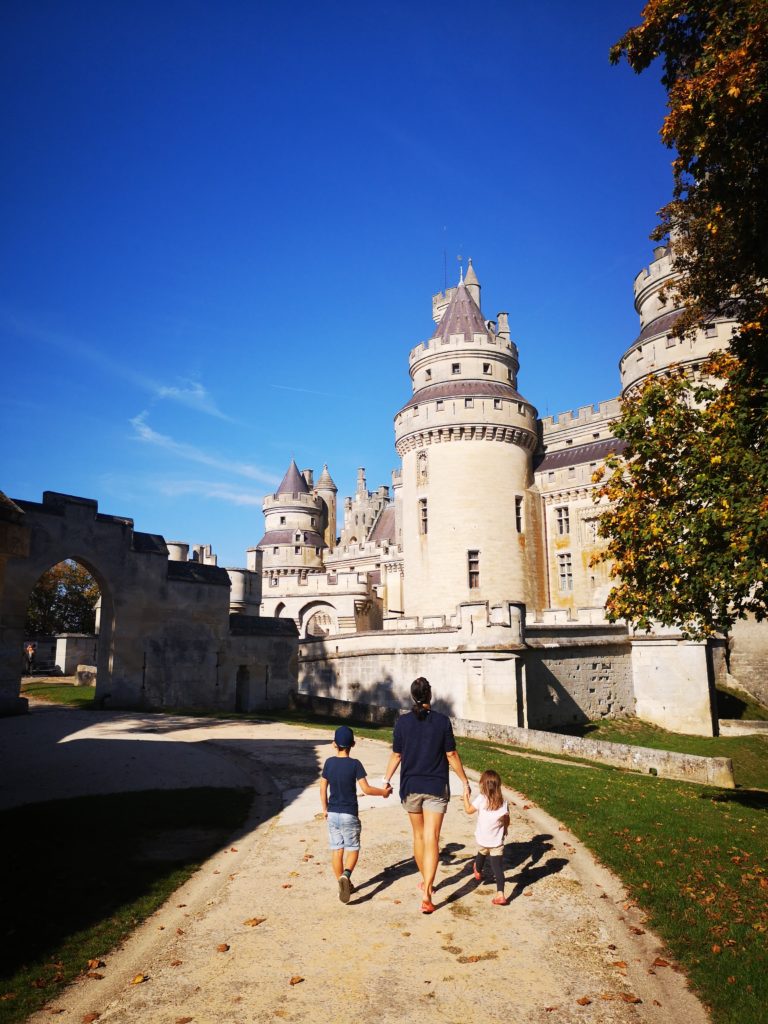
[(688, 530), (715, 58), (63, 601), (687, 524)]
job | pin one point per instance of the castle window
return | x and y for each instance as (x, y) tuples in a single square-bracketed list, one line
[(282, 520), (421, 468), (497, 403), (519, 513), (710, 331), (275, 551), (455, 367), (423, 521), (671, 341), (415, 410), (428, 374), (273, 581), (486, 367), (569, 440), (469, 403), (596, 434), (439, 405), (565, 572), (311, 520), (551, 476), (297, 550), (317, 551), (297, 537), (571, 471), (473, 569), (563, 520), (640, 352)]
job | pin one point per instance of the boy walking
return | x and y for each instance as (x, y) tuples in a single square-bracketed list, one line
[(341, 774)]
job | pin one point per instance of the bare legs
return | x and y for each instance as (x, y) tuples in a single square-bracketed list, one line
[(341, 859), (426, 827)]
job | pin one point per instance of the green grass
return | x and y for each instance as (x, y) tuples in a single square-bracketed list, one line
[(77, 880), (748, 753), (737, 704), (694, 858), (60, 693)]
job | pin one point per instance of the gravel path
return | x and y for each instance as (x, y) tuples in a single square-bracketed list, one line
[(258, 934)]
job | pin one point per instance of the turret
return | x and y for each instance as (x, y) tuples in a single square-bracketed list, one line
[(294, 520), (327, 490), (472, 284)]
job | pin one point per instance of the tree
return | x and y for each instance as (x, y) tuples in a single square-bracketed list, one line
[(715, 56), (687, 524), (688, 528), (63, 601)]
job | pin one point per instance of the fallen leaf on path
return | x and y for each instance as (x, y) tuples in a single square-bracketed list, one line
[(656, 1002), (296, 980), (89, 1018), (608, 995), (621, 964), (180, 905), (287, 885), (184, 1020), (660, 962), (406, 935), (176, 963), (603, 895), (550, 1009), (252, 922), (54, 1012), (294, 874), (95, 975), (232, 849), (223, 947), (629, 998), (397, 901), (584, 1001), (179, 931), (138, 979), (93, 965), (716, 949), (637, 931), (611, 946)]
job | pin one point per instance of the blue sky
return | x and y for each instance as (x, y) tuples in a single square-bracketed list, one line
[(223, 223)]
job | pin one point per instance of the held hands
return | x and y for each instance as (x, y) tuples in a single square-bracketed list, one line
[(387, 787)]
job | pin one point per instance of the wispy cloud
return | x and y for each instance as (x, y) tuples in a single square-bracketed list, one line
[(143, 432), (189, 393), (217, 491)]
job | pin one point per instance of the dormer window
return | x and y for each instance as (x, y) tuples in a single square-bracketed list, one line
[(297, 537)]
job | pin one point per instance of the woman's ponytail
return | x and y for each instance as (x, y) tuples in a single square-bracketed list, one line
[(421, 694)]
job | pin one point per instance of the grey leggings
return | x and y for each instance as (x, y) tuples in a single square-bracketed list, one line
[(497, 867)]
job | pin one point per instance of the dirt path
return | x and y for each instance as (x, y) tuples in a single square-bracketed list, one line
[(563, 937)]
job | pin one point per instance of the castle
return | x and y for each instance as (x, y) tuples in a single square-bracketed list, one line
[(486, 540)]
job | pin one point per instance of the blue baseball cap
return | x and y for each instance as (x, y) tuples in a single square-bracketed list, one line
[(344, 737)]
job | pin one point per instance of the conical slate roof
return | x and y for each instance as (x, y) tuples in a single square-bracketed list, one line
[(325, 482), (470, 277), (463, 316), (293, 481)]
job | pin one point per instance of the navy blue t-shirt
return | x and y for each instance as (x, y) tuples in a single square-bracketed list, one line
[(342, 774), (422, 745)]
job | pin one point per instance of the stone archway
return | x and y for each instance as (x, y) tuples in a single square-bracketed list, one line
[(317, 620), (64, 527)]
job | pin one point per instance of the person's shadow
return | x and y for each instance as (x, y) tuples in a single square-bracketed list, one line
[(377, 883), (524, 855)]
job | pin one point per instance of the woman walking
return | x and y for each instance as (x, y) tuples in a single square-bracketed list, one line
[(423, 746)]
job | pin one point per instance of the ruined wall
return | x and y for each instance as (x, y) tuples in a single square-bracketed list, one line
[(749, 657)]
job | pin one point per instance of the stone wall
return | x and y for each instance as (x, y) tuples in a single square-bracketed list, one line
[(749, 657), (575, 679)]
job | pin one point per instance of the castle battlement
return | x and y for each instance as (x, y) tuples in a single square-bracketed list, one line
[(310, 501), (457, 341), (584, 416)]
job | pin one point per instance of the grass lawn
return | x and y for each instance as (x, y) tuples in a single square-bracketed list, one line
[(694, 858), (59, 693), (79, 877)]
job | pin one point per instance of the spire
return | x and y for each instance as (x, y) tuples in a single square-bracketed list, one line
[(293, 481), (324, 480), (471, 283), (462, 316)]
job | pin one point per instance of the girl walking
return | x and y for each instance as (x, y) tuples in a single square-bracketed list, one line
[(492, 823)]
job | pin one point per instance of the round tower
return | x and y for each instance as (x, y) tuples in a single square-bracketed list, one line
[(292, 544), (327, 490), (466, 439), (656, 349)]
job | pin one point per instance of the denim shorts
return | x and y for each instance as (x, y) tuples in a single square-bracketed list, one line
[(343, 831)]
